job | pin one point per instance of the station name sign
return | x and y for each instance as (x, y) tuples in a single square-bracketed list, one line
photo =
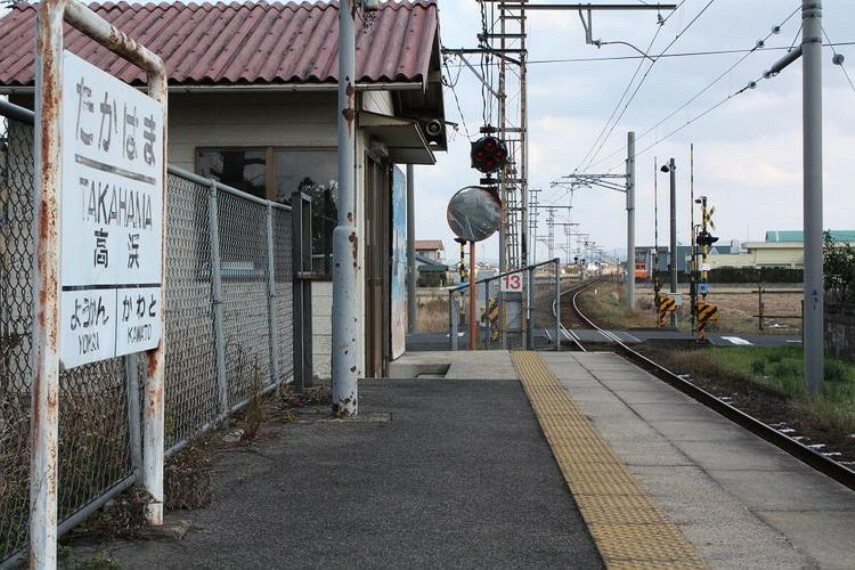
[(111, 212)]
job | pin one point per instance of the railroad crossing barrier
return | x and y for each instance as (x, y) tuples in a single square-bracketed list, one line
[(707, 312), (666, 305)]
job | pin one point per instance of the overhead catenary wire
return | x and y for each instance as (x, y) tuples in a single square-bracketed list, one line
[(703, 53), (749, 86), (452, 85), (644, 77), (617, 105), (838, 59), (706, 88)]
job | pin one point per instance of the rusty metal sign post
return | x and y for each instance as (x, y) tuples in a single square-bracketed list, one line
[(47, 294)]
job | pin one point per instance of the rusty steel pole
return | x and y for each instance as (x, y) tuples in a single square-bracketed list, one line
[(44, 428), (45, 356), (346, 323)]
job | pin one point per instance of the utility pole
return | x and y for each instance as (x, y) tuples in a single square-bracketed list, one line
[(630, 221), (814, 292), (608, 181), (814, 301), (346, 321), (671, 168), (550, 225)]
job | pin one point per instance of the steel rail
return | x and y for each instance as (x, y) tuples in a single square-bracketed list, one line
[(803, 453)]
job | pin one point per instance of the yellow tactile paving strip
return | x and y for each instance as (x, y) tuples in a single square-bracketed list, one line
[(630, 530)]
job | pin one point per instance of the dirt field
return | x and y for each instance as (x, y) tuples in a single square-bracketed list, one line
[(738, 308)]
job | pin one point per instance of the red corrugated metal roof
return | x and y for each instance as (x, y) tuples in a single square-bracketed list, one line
[(232, 44)]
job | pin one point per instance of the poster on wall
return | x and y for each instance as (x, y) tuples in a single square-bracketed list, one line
[(399, 262)]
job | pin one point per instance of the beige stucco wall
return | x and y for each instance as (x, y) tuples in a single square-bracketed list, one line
[(280, 120), (762, 254), (730, 260), (248, 119), (777, 255)]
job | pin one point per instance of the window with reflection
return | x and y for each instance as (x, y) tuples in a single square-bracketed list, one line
[(241, 168), (275, 174), (313, 172)]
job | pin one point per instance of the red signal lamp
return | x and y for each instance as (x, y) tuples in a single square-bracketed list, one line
[(488, 154)]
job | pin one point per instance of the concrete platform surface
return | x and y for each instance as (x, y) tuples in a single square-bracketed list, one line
[(742, 502)]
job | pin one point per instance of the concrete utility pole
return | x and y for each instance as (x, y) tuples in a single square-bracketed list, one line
[(346, 321), (630, 221), (411, 249), (814, 302)]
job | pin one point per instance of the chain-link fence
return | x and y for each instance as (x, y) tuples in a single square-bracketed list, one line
[(228, 326), (514, 310)]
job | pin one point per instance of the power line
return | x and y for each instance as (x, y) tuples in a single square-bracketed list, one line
[(623, 95), (453, 85), (664, 56), (646, 74), (711, 84), (750, 85), (591, 152), (838, 59), (645, 55)]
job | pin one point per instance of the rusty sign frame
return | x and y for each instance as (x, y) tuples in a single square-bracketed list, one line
[(45, 356)]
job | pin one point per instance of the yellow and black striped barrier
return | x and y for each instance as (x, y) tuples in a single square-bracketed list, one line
[(490, 316), (707, 312), (666, 305)]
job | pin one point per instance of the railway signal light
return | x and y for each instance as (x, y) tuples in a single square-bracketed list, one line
[(488, 154), (706, 239)]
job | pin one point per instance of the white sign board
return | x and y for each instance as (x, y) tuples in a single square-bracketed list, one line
[(512, 283), (111, 206)]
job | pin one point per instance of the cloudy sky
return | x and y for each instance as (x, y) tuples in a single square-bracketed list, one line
[(747, 151)]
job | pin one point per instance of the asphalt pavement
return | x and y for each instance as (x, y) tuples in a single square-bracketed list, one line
[(433, 474)]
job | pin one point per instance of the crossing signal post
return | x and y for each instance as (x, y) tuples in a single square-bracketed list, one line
[(706, 312)]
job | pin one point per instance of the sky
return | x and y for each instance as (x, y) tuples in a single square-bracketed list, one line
[(747, 150)]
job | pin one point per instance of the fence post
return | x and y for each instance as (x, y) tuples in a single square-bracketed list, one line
[(132, 376), (557, 272), (217, 301), (271, 298), (301, 265)]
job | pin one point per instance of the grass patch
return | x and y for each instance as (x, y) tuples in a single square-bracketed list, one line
[(606, 303), (768, 381), (432, 313)]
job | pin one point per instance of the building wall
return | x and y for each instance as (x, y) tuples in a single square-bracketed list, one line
[(298, 119), (791, 256), (730, 260), (248, 119)]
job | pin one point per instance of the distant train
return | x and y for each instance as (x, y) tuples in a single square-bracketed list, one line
[(641, 269)]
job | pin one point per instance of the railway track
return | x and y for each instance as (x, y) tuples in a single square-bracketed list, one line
[(573, 316)]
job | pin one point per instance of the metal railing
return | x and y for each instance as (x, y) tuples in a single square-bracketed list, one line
[(514, 310), (228, 327)]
